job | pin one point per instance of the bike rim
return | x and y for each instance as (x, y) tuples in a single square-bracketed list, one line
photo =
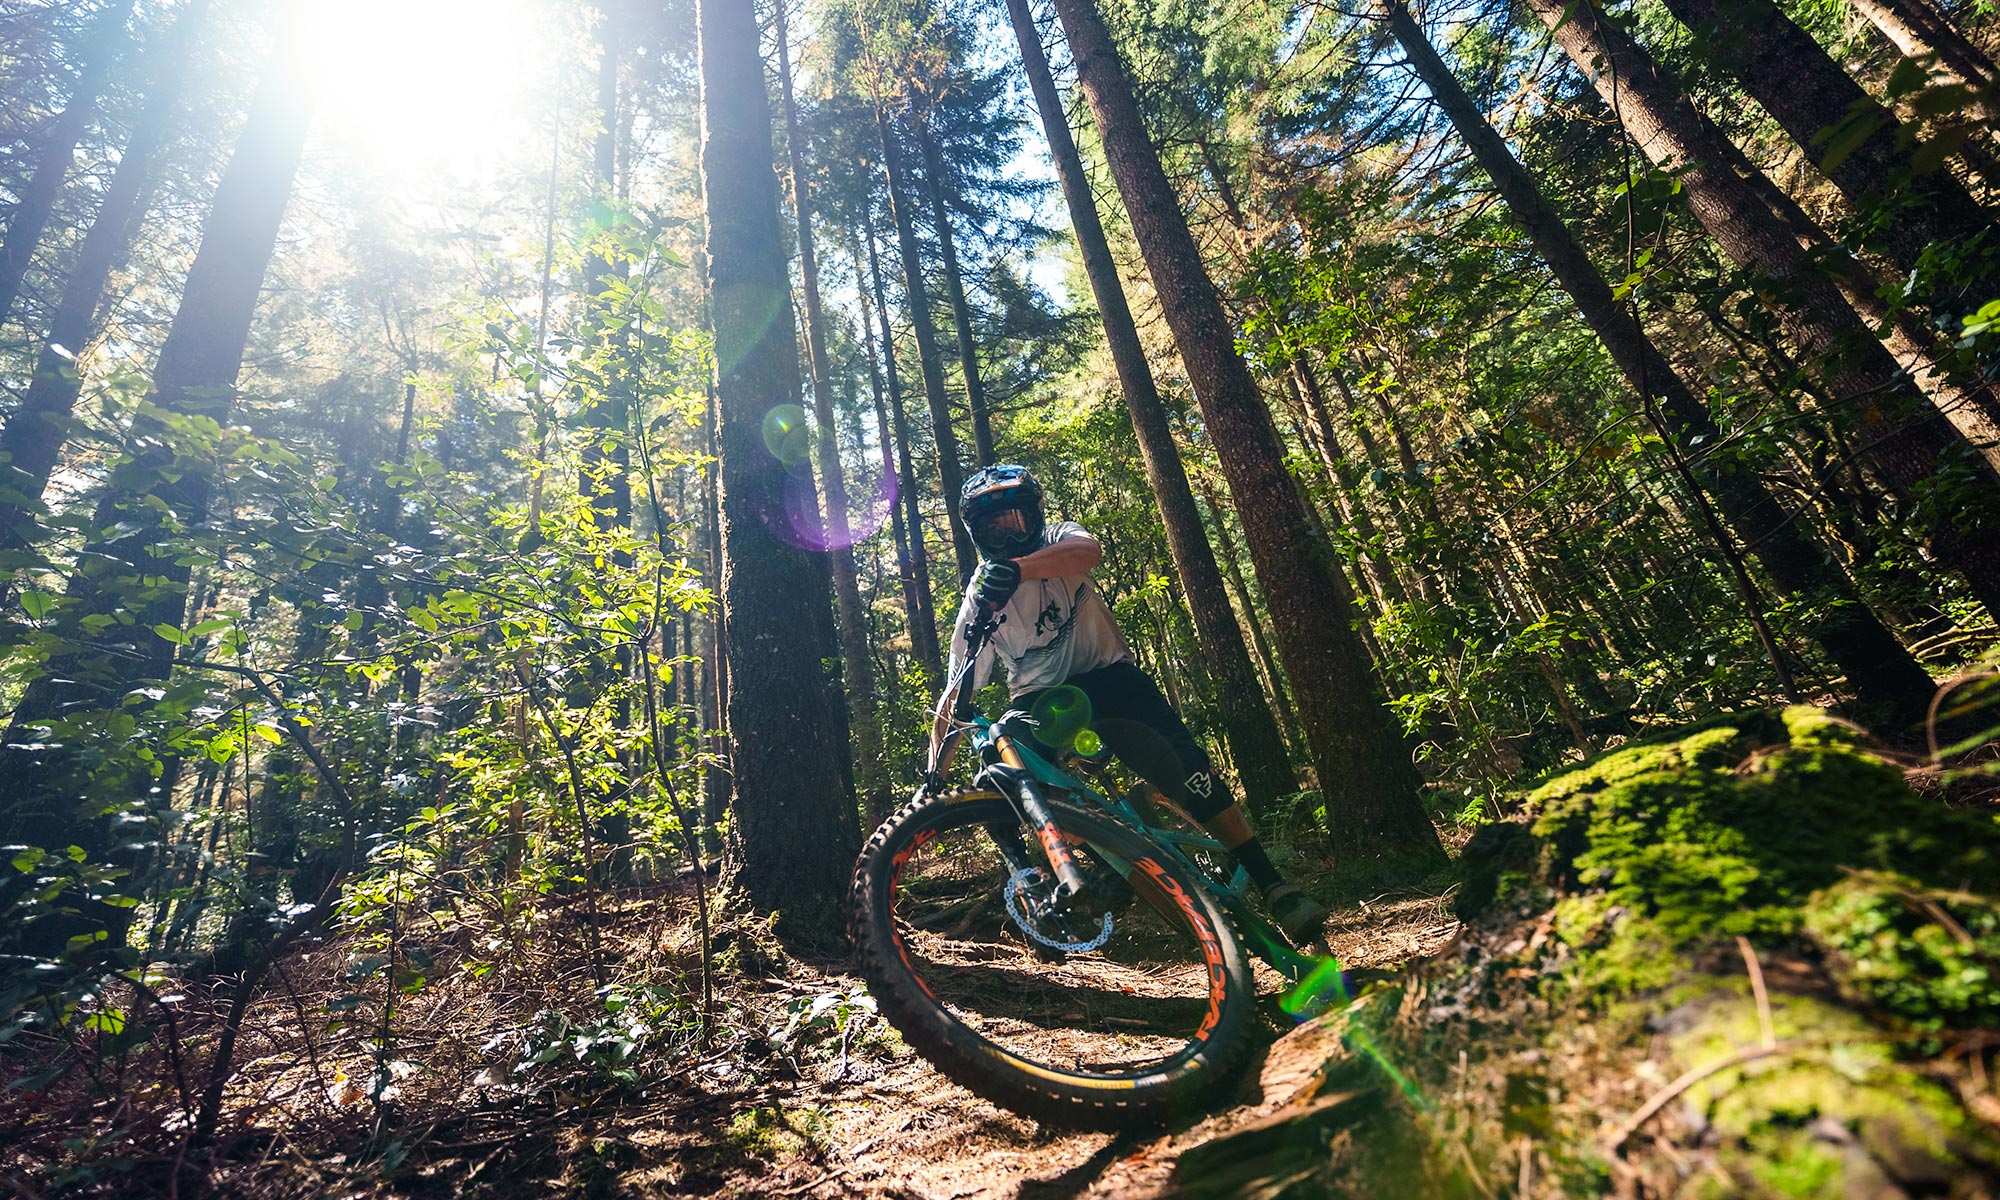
[(1143, 1001)]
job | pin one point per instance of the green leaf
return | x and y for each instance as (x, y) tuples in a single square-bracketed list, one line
[(171, 633), (1907, 77), (28, 858), (37, 604), (1846, 136), (109, 1021)]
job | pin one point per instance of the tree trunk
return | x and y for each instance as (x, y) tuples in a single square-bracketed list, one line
[(1232, 575), (715, 676), (856, 669), (1918, 31), (1878, 667), (950, 475), (912, 559), (794, 816), (101, 49), (954, 287), (137, 533), (31, 440), (1255, 742), (604, 470), (1904, 439), (1362, 759), (925, 635), (1321, 413), (1816, 102)]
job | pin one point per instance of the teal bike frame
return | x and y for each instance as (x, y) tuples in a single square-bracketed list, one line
[(1007, 761)]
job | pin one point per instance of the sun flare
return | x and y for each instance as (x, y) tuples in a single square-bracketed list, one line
[(414, 87)]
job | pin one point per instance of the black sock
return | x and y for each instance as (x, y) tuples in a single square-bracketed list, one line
[(1262, 873)]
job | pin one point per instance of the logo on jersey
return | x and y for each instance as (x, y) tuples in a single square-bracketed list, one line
[(1064, 625), (1201, 784)]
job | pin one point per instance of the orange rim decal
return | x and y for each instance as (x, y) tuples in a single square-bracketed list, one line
[(1211, 946)]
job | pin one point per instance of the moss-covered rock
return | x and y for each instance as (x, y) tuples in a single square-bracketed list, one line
[(1601, 970), (1929, 956), (1731, 829), (1834, 1112)]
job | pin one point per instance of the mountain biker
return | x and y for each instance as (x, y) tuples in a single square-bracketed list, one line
[(1056, 630)]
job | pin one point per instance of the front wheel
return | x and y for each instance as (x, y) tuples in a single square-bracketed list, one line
[(1104, 1013)]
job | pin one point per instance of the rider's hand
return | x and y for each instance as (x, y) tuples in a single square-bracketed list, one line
[(996, 580)]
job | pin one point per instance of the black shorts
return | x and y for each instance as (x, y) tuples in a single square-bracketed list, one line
[(1143, 730)]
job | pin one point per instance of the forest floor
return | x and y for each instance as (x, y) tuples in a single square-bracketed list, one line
[(837, 1107), (1670, 981)]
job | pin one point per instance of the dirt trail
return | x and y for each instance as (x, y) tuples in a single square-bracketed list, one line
[(891, 1126), (853, 1112)]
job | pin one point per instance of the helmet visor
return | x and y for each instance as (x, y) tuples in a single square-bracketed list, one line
[(999, 526)]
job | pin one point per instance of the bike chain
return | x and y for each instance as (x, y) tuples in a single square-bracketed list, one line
[(1015, 911)]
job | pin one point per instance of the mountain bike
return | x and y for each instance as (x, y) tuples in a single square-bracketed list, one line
[(1064, 951)]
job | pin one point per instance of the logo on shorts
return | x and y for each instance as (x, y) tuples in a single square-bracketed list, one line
[(1201, 784)]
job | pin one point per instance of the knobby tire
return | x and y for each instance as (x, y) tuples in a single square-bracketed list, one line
[(1050, 1091)]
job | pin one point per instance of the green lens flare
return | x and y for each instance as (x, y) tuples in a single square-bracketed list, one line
[(1325, 988), (1088, 743), (1061, 714), (785, 433), (1321, 989)]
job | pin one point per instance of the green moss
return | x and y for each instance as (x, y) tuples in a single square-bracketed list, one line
[(1838, 1103), (1729, 829), (1927, 955)]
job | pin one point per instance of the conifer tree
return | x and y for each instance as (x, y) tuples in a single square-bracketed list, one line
[(1363, 764), (1255, 742), (794, 816), (1881, 670), (136, 566), (104, 44), (1905, 440)]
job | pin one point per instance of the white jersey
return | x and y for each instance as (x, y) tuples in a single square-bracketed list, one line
[(1051, 631)]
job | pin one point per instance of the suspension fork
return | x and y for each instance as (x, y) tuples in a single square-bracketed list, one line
[(1013, 779)]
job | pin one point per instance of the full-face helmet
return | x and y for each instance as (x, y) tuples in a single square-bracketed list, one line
[(1001, 506)]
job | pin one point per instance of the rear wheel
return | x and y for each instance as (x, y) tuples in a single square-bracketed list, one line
[(1104, 1013)]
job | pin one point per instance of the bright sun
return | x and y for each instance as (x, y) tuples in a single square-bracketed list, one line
[(419, 87)]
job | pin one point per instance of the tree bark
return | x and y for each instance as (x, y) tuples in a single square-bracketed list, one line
[(1881, 671), (604, 470), (715, 682), (1361, 757), (1909, 445), (1254, 740), (794, 816), (912, 558), (856, 668), (954, 288), (1918, 31), (134, 564), (102, 48), (950, 475), (31, 440), (1814, 100)]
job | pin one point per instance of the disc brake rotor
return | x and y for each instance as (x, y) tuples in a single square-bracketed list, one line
[(1019, 887)]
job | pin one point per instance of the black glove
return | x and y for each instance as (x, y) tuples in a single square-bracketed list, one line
[(995, 581)]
